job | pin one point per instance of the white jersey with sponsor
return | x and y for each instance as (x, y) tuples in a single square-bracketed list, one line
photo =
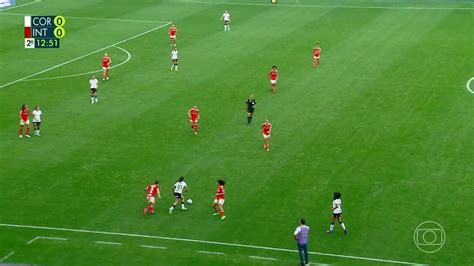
[(336, 206), (94, 83), (174, 54), (36, 115), (179, 187), (226, 16)]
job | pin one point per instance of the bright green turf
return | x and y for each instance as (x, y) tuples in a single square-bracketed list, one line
[(386, 120)]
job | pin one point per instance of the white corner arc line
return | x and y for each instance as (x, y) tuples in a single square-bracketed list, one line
[(324, 6), (85, 55), (108, 243), (157, 247), (25, 4), (198, 241), (7, 256), (262, 258), (129, 56), (468, 85), (210, 252)]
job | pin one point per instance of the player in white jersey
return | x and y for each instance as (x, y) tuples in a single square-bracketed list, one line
[(337, 213), (94, 85), (37, 120), (226, 18), (178, 189), (174, 59)]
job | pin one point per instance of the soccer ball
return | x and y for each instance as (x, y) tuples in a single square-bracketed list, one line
[(189, 201)]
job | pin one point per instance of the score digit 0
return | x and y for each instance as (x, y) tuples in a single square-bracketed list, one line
[(59, 31)]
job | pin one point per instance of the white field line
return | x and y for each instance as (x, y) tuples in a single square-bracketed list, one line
[(157, 247), (327, 6), (468, 85), (7, 256), (108, 243), (92, 18), (26, 4), (45, 237), (210, 252), (129, 56), (262, 258), (85, 55), (199, 241)]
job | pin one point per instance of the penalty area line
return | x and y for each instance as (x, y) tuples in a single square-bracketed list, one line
[(129, 56), (85, 55), (468, 85), (200, 241)]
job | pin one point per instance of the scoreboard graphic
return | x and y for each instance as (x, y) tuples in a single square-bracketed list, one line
[(44, 31)]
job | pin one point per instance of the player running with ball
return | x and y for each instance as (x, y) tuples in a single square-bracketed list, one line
[(219, 200), (178, 189)]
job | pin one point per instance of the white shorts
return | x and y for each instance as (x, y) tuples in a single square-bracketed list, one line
[(219, 201), (105, 68), (316, 57), (266, 136), (22, 123), (172, 36), (273, 81), (150, 199)]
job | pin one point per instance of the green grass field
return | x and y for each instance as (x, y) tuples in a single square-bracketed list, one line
[(386, 119)]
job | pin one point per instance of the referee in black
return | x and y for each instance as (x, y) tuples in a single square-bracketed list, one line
[(251, 102)]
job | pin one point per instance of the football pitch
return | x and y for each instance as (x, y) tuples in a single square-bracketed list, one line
[(386, 119)]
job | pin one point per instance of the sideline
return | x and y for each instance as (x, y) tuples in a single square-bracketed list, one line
[(202, 241)]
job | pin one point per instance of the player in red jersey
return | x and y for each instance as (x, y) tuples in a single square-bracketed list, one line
[(219, 200), (193, 114), (273, 76), (266, 131), (24, 120), (106, 61), (172, 32), (316, 55), (151, 191)]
